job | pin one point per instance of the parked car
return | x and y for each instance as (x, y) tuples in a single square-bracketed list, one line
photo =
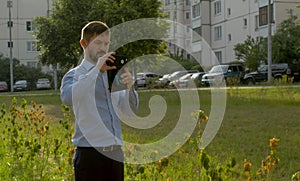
[(293, 71), (176, 75), (144, 79), (228, 73), (181, 82), (3, 86), (261, 75), (163, 81), (197, 77), (21, 85), (43, 83)]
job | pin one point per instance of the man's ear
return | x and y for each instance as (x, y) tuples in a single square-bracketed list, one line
[(83, 43)]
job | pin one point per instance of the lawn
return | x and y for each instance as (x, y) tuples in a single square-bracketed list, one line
[(252, 118)]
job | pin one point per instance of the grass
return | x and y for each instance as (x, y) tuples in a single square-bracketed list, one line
[(252, 117)]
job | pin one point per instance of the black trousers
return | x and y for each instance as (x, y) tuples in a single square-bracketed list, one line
[(94, 165)]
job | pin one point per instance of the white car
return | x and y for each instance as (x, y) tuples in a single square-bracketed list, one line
[(144, 79), (182, 81), (43, 84)]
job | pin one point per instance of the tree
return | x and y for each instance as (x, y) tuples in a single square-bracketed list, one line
[(59, 34), (21, 72), (251, 51), (285, 45), (286, 41)]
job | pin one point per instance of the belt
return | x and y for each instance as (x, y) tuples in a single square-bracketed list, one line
[(104, 149)]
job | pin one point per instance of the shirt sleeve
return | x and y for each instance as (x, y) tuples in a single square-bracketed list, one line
[(79, 82), (66, 88)]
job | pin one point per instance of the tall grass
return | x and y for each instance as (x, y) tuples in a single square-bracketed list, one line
[(252, 118)]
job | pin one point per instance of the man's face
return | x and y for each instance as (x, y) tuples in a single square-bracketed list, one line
[(98, 46)]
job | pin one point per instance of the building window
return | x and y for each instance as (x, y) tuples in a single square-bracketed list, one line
[(187, 2), (245, 22), (256, 22), (30, 26), (219, 56), (263, 15), (32, 46), (32, 64), (229, 37), (197, 33), (10, 24), (187, 15), (196, 10), (188, 29), (188, 43), (10, 44), (218, 33), (168, 15), (228, 11), (167, 2), (217, 7)]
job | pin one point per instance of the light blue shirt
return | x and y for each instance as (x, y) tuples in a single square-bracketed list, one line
[(95, 108)]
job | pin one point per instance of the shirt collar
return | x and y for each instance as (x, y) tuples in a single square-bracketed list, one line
[(87, 65)]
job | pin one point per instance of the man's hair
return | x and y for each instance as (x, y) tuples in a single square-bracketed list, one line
[(93, 28)]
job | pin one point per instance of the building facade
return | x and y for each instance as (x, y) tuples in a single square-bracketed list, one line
[(219, 24), (224, 23), (279, 11), (24, 45), (179, 13)]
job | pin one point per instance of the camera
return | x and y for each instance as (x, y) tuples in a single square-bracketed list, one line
[(114, 79)]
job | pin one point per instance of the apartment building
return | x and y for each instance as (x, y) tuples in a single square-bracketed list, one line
[(223, 24), (178, 12), (279, 11), (24, 46)]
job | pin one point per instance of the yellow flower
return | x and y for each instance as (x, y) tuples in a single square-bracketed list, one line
[(274, 143), (259, 172), (247, 166)]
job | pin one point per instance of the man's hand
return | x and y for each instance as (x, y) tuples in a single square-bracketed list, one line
[(126, 78), (101, 64)]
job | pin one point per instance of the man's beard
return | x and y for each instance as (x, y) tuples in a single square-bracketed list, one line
[(95, 57)]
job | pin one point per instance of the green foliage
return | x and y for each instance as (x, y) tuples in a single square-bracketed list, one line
[(286, 41), (187, 64), (59, 34), (5, 68), (251, 51), (239, 137), (20, 72), (285, 45), (29, 148), (296, 176)]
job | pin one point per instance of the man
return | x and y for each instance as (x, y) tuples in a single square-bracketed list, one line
[(97, 135)]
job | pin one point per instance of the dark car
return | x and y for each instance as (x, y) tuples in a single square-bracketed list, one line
[(228, 73), (21, 85), (3, 86), (261, 75), (293, 72)]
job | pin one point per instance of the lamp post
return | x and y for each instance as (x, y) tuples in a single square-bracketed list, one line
[(9, 6), (269, 42)]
